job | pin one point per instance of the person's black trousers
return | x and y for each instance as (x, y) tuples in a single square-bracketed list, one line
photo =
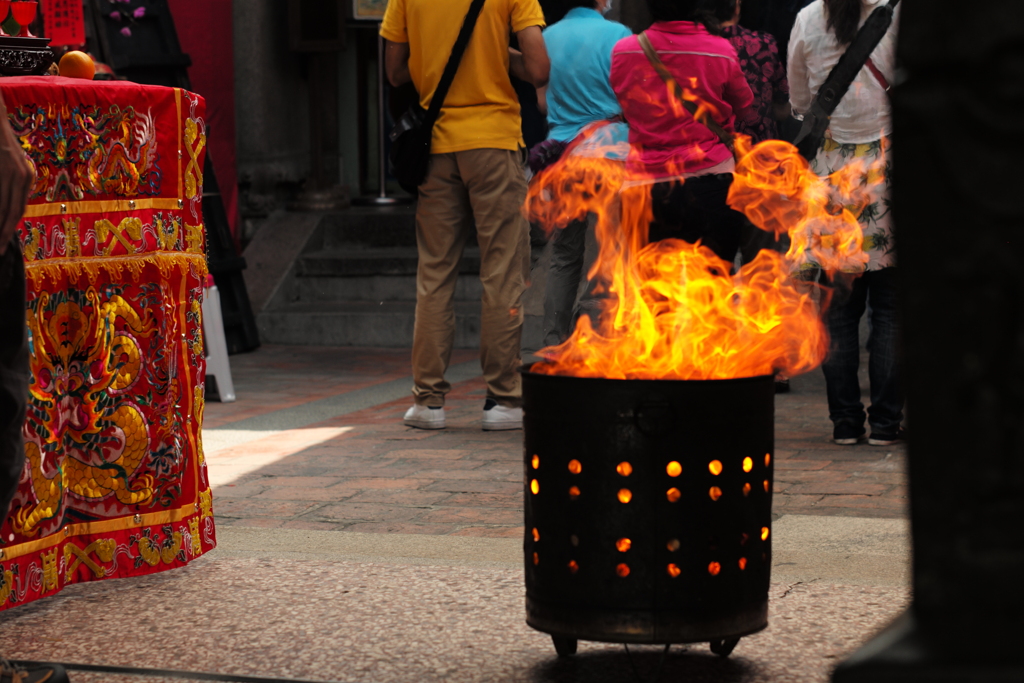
[(696, 210), (14, 372)]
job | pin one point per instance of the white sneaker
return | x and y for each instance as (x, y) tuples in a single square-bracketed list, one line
[(498, 417), (424, 417)]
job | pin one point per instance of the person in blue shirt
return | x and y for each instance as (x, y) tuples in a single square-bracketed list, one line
[(578, 94)]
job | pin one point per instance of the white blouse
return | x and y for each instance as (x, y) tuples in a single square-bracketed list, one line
[(863, 113)]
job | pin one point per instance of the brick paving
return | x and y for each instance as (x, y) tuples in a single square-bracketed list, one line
[(372, 474), (277, 377)]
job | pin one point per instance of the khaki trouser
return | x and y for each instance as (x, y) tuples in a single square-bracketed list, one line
[(485, 187)]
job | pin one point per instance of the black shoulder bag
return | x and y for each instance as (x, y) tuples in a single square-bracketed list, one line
[(410, 138), (816, 120)]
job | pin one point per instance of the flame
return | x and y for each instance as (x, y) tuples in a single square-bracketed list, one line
[(674, 469), (674, 310)]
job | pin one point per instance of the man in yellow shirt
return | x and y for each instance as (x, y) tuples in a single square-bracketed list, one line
[(476, 177)]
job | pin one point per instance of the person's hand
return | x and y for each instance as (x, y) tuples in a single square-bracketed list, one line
[(16, 178)]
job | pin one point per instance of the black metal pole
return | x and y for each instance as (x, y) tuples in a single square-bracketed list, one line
[(958, 107), (382, 198)]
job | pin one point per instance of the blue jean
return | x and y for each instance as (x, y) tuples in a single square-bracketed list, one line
[(573, 251), (564, 275), (877, 289)]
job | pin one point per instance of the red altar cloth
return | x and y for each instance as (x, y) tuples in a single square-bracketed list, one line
[(115, 482)]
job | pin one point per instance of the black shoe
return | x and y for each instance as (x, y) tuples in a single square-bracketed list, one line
[(847, 433), (888, 438), (37, 673)]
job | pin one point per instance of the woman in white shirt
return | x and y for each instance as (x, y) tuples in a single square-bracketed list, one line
[(857, 140)]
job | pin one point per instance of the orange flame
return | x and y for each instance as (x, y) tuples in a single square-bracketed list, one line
[(674, 310)]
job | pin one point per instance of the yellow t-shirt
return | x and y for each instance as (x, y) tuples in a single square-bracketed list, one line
[(481, 109)]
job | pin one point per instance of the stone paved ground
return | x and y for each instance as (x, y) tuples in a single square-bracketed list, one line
[(365, 471), (314, 451), (276, 377)]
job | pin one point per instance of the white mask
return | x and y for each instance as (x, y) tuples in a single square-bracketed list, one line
[(607, 7)]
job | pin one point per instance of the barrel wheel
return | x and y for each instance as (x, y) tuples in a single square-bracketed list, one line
[(565, 647), (724, 648)]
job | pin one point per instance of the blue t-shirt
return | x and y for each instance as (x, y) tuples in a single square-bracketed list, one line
[(579, 88)]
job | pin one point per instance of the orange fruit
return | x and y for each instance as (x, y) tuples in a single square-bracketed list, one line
[(76, 64)]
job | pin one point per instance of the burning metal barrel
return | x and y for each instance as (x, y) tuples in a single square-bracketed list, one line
[(648, 508)]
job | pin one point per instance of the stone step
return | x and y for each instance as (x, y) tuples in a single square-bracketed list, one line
[(362, 262), (366, 323), (375, 288), (358, 323), (354, 284), (370, 227)]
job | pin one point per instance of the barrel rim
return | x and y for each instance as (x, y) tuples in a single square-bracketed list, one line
[(525, 371)]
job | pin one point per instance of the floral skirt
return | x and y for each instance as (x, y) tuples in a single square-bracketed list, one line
[(859, 180)]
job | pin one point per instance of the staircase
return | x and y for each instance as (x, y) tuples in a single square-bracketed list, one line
[(354, 284)]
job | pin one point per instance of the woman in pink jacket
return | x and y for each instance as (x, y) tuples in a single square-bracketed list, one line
[(668, 144)]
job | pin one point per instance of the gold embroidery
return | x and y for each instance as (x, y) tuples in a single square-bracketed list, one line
[(102, 206), (113, 267), (7, 586), (198, 407), (72, 243), (66, 333), (206, 503), (104, 550), (129, 228), (49, 570), (152, 554), (194, 238), (193, 171), (193, 529), (167, 231), (33, 243)]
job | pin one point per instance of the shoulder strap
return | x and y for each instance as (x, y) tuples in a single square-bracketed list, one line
[(465, 33), (853, 60), (695, 111), (879, 75)]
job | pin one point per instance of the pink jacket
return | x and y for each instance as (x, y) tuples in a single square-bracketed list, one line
[(667, 141)]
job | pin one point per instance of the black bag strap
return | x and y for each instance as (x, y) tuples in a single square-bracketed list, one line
[(846, 69), (465, 33), (677, 91)]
